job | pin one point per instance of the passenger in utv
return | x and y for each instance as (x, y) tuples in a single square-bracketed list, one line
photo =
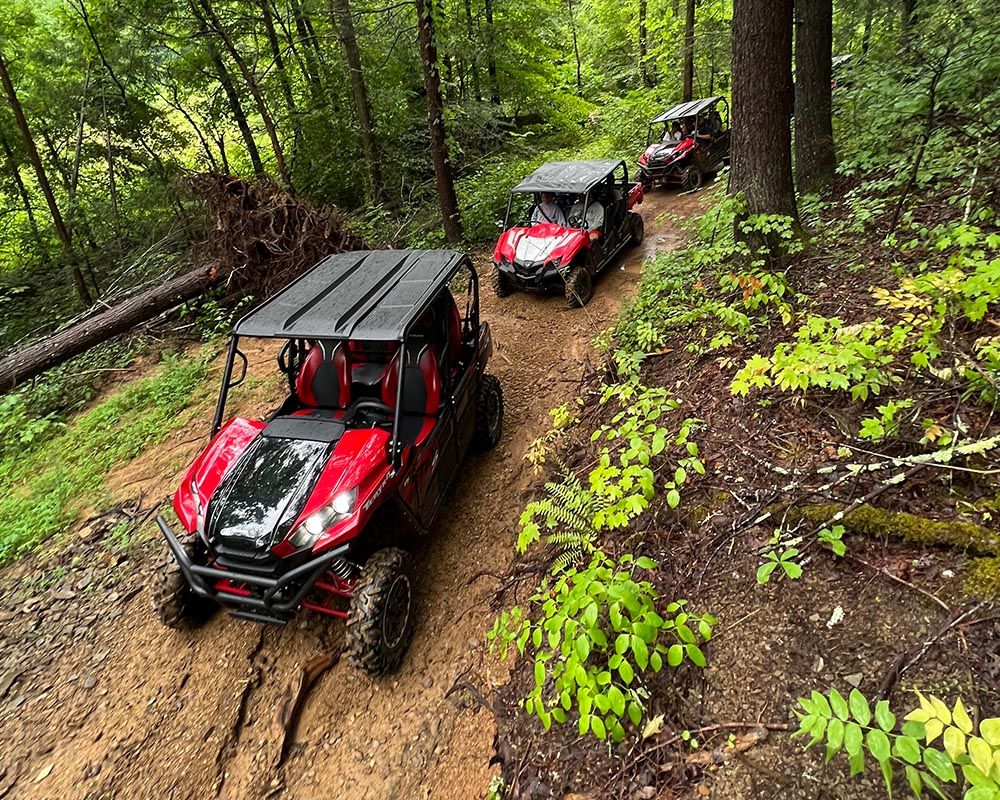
[(594, 220), (673, 135), (548, 211)]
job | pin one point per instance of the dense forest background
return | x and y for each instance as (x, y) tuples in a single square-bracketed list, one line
[(115, 106)]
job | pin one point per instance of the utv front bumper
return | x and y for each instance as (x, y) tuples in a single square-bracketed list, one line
[(538, 277), (247, 594)]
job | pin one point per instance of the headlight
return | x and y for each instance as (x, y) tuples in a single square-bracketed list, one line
[(321, 520)]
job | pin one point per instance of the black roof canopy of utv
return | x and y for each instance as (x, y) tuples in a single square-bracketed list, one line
[(373, 295), (568, 176), (685, 110)]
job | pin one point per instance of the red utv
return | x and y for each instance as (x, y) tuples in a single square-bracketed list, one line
[(573, 218), (685, 144), (387, 393)]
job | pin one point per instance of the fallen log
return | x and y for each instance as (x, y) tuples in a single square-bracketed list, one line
[(46, 353)]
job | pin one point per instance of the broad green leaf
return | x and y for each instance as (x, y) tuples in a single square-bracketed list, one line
[(675, 655), (939, 764), (981, 755), (625, 670), (878, 744), (821, 703), (853, 738), (597, 726), (634, 712), (954, 742), (839, 704), (859, 707), (834, 738), (961, 717), (695, 655), (907, 748), (989, 729), (913, 779), (884, 717)]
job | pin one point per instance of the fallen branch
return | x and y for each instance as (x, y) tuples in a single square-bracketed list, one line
[(286, 715)]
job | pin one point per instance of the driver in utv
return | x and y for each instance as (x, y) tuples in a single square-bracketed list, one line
[(547, 210)]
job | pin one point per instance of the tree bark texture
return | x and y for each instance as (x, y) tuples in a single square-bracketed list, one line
[(688, 91), (815, 158)]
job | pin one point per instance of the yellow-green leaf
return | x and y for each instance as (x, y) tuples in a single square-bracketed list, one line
[(932, 729), (961, 717), (981, 754), (989, 729), (941, 710), (954, 742)]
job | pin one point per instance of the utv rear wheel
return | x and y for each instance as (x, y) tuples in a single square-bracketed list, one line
[(174, 602), (380, 618), (489, 414), (692, 179), (501, 285), (636, 228), (579, 286)]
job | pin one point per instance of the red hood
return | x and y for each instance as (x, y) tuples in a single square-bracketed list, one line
[(661, 149), (540, 243)]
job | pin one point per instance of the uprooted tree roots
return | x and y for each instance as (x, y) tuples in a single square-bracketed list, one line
[(263, 235)]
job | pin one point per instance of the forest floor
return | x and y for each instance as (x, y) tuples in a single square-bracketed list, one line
[(98, 700)]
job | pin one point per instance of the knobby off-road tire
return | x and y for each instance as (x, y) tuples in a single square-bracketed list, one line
[(380, 618), (636, 227), (174, 602), (692, 178), (579, 285), (489, 414), (501, 286)]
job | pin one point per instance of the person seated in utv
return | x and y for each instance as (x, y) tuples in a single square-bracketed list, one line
[(547, 211), (673, 135), (704, 131), (594, 220)]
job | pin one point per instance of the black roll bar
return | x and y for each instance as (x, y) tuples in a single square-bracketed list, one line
[(227, 376)]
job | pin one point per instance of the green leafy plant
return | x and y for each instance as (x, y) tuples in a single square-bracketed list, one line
[(785, 559), (594, 633), (970, 760), (885, 424)]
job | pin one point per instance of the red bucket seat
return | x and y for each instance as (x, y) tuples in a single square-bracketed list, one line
[(421, 391)]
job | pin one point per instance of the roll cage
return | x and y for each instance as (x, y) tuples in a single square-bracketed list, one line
[(566, 179), (362, 297), (693, 110)]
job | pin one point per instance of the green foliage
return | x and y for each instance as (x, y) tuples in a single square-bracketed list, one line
[(45, 489), (594, 634), (968, 759), (784, 559), (885, 424)]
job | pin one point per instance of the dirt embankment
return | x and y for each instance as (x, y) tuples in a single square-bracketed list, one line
[(97, 700)]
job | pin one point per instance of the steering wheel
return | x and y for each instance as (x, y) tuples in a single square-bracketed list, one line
[(374, 411)]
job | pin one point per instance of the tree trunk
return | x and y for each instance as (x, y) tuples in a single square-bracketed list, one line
[(909, 13), (43, 182), (762, 106), (471, 34), (254, 87), (112, 183), (235, 106), (815, 158), (341, 12), (491, 61), (576, 47), (435, 118), (14, 169), (688, 92), (279, 69), (34, 359), (643, 46), (866, 37)]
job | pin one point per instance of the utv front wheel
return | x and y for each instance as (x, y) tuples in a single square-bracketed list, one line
[(692, 179), (380, 618), (174, 602), (501, 285), (579, 286), (636, 228), (489, 414)]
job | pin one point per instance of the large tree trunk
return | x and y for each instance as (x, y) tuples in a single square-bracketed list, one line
[(43, 182), (762, 106), (235, 106), (46, 353), (345, 28), (254, 87), (815, 158), (491, 61), (689, 52), (435, 118)]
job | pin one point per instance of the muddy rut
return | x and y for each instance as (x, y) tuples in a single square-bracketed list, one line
[(97, 700)]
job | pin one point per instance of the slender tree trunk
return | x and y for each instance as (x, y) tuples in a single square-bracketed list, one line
[(909, 13), (176, 104), (311, 56), (341, 12), (254, 87), (13, 168), (471, 34), (815, 158), (223, 157), (112, 183), (688, 91), (435, 118), (643, 46), (279, 69), (866, 37), (43, 182), (491, 61), (235, 106), (762, 107), (576, 47)]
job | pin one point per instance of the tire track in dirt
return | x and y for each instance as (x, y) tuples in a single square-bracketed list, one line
[(135, 711)]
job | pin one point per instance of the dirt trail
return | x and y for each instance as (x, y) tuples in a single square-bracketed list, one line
[(97, 700)]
